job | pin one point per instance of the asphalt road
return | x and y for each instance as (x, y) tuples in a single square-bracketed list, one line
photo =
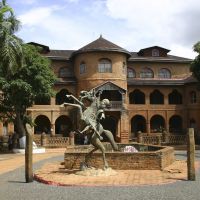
[(13, 187)]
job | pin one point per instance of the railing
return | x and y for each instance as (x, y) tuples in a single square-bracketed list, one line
[(48, 141), (57, 142), (177, 139), (151, 139), (116, 104), (162, 139)]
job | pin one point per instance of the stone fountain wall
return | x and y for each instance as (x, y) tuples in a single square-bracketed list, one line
[(144, 160)]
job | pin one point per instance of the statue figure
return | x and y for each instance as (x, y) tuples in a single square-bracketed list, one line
[(91, 110)]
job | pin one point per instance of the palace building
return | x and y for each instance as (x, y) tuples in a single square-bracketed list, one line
[(150, 90)]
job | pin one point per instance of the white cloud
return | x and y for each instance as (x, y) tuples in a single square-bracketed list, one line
[(27, 2), (48, 26), (131, 24), (165, 22), (37, 15), (72, 1)]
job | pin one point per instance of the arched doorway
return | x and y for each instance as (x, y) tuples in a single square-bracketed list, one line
[(157, 124), (176, 124), (110, 123), (43, 124), (138, 123), (62, 98), (63, 125)]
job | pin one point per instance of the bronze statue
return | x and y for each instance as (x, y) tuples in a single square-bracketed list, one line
[(91, 110)]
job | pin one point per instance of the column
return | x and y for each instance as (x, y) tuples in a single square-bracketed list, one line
[(148, 125), (1, 128), (166, 121), (10, 128), (53, 132), (124, 124), (53, 101)]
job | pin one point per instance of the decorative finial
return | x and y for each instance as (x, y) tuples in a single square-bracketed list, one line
[(100, 36)]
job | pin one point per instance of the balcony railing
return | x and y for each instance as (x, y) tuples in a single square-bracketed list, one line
[(115, 105)]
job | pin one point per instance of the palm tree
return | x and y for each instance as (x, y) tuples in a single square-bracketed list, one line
[(10, 44)]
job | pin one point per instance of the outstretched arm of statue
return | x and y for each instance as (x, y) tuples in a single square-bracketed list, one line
[(73, 97)]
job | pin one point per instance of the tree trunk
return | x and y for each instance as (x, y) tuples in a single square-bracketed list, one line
[(19, 125)]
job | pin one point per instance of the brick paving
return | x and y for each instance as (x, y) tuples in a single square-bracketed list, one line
[(55, 174), (9, 162)]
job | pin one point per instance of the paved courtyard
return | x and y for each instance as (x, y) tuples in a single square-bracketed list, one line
[(13, 186)]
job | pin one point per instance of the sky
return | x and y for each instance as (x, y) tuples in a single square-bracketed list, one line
[(131, 24)]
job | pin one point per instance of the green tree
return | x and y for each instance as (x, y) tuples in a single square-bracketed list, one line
[(10, 45), (32, 81), (195, 65)]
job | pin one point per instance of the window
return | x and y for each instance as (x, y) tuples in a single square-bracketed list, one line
[(156, 97), (146, 73), (137, 97), (124, 68), (164, 73), (155, 52), (193, 97), (105, 66), (65, 72), (175, 97), (82, 68), (131, 73)]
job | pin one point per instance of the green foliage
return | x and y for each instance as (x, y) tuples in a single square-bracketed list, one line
[(10, 45), (25, 76), (35, 79), (195, 65)]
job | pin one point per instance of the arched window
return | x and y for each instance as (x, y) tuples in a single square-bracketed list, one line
[(137, 97), (164, 73), (175, 97), (105, 66), (82, 67), (146, 73), (65, 72), (193, 97), (156, 97), (131, 73), (155, 52)]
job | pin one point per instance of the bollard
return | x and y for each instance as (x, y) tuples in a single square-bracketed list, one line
[(28, 155), (191, 155)]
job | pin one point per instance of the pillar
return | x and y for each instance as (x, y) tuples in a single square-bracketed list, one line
[(1, 128), (191, 155), (10, 128), (43, 139), (124, 124), (28, 154), (53, 131), (148, 125), (53, 101)]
